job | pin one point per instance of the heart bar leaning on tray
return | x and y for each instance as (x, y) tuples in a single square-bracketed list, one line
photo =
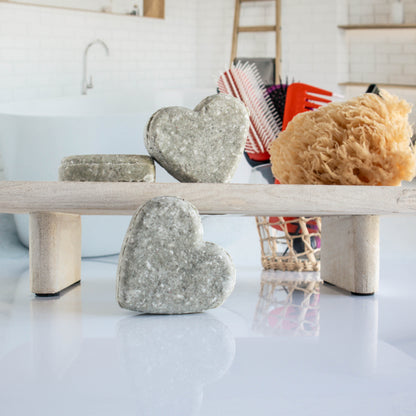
[(165, 267)]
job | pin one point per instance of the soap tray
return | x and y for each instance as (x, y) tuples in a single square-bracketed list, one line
[(350, 220)]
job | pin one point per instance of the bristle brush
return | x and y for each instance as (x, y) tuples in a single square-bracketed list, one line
[(243, 81), (277, 94)]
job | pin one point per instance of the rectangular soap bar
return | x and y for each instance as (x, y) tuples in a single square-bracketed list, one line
[(107, 168)]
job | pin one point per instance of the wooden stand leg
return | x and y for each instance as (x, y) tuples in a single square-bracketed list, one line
[(55, 252), (350, 253)]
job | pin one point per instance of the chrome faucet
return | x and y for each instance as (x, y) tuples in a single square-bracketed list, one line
[(85, 84)]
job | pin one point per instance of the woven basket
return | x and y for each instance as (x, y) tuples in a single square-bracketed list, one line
[(285, 250)]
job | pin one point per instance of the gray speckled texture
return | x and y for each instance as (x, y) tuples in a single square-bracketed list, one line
[(165, 267), (107, 168), (200, 145)]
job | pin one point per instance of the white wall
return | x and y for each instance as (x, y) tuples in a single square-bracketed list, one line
[(41, 50), (379, 56), (311, 42), (378, 11)]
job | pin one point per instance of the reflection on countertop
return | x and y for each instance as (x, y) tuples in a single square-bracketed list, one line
[(288, 303), (176, 355)]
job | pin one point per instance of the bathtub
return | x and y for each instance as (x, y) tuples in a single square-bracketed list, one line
[(36, 135)]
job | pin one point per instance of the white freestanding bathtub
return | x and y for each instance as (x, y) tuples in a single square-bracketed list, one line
[(36, 135)]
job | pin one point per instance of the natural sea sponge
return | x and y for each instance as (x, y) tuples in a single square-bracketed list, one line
[(364, 141)]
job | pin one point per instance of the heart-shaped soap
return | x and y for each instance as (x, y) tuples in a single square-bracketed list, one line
[(165, 267), (200, 145)]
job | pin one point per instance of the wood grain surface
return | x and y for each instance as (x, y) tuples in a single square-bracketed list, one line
[(350, 254), (55, 252), (105, 198)]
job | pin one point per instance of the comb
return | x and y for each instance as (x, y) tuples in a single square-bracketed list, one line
[(302, 97), (243, 81)]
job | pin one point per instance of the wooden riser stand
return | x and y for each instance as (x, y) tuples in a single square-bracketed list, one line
[(350, 253), (54, 251), (350, 220)]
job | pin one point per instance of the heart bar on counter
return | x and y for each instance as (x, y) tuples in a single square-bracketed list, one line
[(165, 267), (200, 145)]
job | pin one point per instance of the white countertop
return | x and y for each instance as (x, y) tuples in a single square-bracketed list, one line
[(255, 355)]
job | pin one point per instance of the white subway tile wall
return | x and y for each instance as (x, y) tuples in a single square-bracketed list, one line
[(41, 49), (311, 49), (381, 55), (378, 11)]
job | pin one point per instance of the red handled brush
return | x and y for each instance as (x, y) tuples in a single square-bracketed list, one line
[(243, 81)]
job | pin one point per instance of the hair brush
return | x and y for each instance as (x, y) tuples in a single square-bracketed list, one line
[(277, 94), (243, 81)]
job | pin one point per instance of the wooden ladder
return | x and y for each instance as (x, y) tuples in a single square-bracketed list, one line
[(266, 28)]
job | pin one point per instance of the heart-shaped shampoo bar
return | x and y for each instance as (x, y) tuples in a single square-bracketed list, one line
[(165, 267), (200, 145)]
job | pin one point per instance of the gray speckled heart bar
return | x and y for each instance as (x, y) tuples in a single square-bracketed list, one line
[(200, 145), (165, 267), (107, 168)]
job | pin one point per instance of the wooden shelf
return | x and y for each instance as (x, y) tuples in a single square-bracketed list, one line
[(350, 223), (378, 26), (380, 84), (151, 8), (109, 198)]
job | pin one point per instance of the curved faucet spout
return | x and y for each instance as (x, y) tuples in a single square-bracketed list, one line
[(85, 84)]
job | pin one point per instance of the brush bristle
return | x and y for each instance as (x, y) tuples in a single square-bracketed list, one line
[(277, 94), (243, 81)]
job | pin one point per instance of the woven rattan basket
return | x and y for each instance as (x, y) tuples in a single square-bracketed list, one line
[(282, 249)]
